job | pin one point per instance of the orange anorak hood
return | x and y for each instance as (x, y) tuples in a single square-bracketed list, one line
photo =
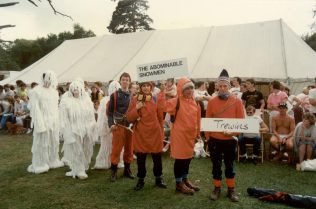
[(187, 124)]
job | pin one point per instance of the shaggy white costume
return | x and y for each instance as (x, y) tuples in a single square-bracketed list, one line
[(103, 160), (77, 126), (43, 107)]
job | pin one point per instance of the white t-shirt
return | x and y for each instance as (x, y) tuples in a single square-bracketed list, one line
[(312, 95), (253, 135), (199, 93)]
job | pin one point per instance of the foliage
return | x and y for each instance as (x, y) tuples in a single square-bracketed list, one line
[(24, 52), (6, 63), (20, 189), (129, 16), (311, 40)]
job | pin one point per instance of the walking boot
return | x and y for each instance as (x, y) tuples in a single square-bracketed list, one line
[(159, 183), (181, 187), (113, 176), (140, 184), (189, 184), (231, 194), (215, 193), (127, 171)]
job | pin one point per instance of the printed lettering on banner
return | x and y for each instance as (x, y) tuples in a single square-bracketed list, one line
[(162, 70)]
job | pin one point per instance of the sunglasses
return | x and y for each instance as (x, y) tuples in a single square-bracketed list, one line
[(249, 113)]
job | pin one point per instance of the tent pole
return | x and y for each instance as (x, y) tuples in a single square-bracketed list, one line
[(283, 51)]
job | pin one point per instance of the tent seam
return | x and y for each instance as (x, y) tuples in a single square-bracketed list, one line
[(203, 49), (283, 49), (128, 61), (80, 58), (35, 64)]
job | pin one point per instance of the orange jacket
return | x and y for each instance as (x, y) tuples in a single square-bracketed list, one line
[(186, 127), (232, 107), (148, 135)]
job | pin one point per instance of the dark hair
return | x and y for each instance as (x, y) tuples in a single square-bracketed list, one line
[(16, 96), (12, 87), (238, 79), (287, 89), (199, 84), (1, 87), (276, 85), (23, 84), (18, 83), (171, 80), (250, 107), (252, 81), (61, 89), (125, 74), (6, 86), (310, 117), (33, 84)]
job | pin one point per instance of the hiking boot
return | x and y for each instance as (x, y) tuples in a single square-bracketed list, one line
[(127, 171), (159, 183), (215, 193), (140, 184), (181, 187), (189, 184), (254, 160), (277, 157), (113, 176), (231, 194)]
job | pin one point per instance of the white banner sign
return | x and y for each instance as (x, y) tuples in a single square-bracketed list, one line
[(162, 70), (230, 125)]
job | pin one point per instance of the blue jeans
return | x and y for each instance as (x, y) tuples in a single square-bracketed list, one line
[(256, 141), (4, 119)]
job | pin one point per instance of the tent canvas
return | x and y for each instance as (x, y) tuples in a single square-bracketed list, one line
[(264, 51)]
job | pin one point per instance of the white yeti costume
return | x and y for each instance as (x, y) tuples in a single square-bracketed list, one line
[(43, 107), (103, 159), (77, 126)]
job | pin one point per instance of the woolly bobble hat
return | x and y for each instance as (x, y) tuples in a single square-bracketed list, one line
[(188, 84), (224, 77)]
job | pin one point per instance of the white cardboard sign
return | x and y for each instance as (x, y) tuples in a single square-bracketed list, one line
[(230, 125), (162, 70)]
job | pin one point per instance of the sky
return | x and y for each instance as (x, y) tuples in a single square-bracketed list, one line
[(33, 22)]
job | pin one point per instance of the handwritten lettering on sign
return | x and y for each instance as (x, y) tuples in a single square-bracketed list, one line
[(162, 70), (230, 125)]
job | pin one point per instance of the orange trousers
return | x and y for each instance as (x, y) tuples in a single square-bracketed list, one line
[(122, 138)]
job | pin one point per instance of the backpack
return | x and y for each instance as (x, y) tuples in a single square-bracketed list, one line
[(173, 117)]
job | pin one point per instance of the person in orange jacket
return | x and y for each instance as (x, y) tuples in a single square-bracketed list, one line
[(223, 144), (186, 128), (143, 111)]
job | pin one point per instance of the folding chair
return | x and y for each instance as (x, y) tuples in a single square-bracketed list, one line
[(249, 148)]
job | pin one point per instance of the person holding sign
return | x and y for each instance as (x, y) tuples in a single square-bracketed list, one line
[(186, 128), (148, 136), (223, 144)]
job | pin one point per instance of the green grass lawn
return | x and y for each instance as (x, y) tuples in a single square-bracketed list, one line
[(20, 189)]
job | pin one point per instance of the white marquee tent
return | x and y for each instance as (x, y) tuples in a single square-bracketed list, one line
[(264, 50)]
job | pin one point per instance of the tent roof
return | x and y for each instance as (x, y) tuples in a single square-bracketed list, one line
[(263, 50)]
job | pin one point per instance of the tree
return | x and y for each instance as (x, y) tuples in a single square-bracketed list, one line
[(129, 16), (80, 32), (6, 63), (310, 40)]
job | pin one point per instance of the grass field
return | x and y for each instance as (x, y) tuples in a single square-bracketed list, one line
[(20, 189)]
